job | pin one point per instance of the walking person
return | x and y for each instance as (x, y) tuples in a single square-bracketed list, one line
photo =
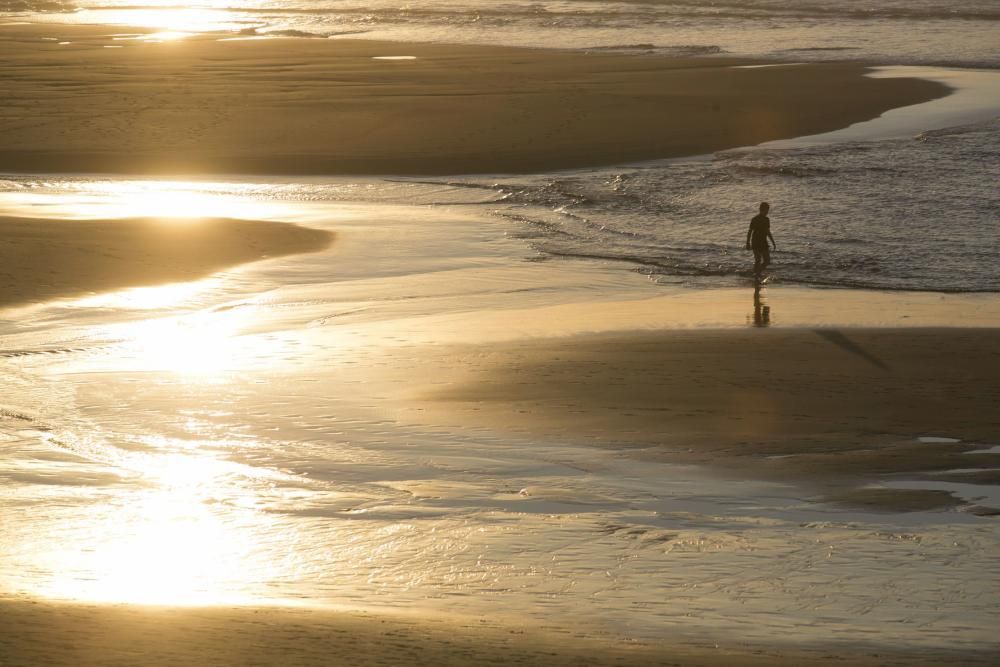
[(757, 237)]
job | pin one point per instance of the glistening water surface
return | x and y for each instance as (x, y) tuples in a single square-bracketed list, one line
[(246, 438)]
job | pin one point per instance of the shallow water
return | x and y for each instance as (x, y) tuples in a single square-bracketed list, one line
[(246, 438), (904, 202), (911, 214)]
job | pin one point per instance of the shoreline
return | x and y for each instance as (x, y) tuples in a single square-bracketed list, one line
[(657, 379), (44, 633), (41, 633), (443, 110)]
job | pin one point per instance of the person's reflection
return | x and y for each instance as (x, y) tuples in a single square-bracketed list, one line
[(761, 311)]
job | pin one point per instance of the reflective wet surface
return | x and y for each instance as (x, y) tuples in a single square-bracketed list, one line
[(241, 439)]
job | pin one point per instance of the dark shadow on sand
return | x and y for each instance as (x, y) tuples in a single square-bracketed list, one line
[(840, 340)]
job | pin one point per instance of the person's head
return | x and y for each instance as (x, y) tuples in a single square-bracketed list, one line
[(764, 207)]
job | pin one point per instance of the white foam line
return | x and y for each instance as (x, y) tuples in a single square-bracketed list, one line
[(995, 449), (769, 65)]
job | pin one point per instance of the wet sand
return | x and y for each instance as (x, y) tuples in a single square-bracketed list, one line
[(79, 100), (46, 634), (42, 259), (830, 409)]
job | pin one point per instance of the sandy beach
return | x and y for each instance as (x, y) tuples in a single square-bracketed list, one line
[(418, 438), (46, 259), (41, 633), (202, 106), (830, 409)]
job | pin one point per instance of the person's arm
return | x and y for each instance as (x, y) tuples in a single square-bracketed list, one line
[(749, 232), (774, 246)]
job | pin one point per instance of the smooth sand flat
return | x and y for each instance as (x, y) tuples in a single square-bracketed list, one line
[(827, 408), (77, 99), (46, 634), (45, 259)]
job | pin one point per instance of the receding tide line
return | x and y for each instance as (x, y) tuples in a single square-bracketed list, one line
[(975, 98)]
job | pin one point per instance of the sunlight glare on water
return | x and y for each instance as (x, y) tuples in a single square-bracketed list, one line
[(243, 438), (165, 543), (206, 16), (203, 345), (248, 444), (165, 36), (194, 345), (138, 199), (147, 298)]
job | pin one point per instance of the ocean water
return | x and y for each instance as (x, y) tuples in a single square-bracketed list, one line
[(960, 33), (914, 213), (247, 438)]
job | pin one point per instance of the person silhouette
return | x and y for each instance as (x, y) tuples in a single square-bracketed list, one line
[(757, 236)]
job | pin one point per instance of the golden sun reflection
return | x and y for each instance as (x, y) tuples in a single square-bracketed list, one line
[(148, 298), (175, 553), (174, 543), (163, 36), (168, 35), (208, 17), (148, 199), (203, 344), (171, 199)]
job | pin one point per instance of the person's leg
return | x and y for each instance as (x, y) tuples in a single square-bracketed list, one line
[(756, 260), (765, 257)]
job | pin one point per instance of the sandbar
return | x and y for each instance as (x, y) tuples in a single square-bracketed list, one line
[(44, 259), (296, 106)]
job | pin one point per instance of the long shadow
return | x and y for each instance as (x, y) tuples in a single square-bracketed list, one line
[(842, 341)]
